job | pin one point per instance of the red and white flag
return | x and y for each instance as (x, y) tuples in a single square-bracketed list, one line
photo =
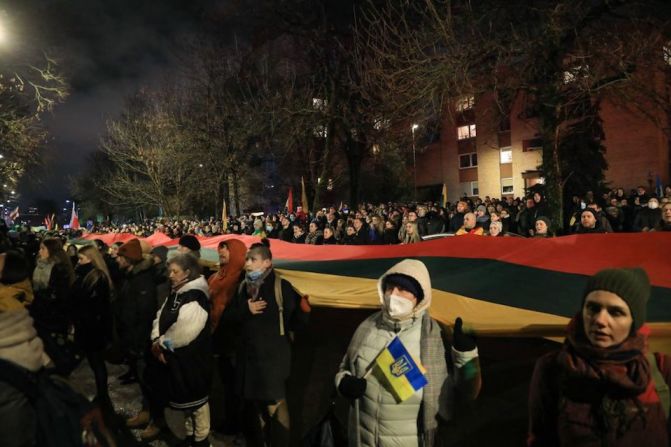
[(74, 219), (49, 222), (14, 214), (290, 201)]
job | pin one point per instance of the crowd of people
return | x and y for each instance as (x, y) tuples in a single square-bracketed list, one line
[(174, 320), (387, 224)]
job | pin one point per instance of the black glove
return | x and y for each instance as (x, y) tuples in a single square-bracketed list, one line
[(462, 342), (352, 387)]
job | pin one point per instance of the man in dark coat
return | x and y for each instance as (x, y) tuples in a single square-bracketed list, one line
[(457, 220), (648, 217), (138, 304), (361, 236), (264, 354)]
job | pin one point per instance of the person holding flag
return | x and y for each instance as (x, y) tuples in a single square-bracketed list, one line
[(396, 370)]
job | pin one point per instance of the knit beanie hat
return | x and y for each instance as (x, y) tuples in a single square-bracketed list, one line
[(404, 281), (590, 210), (630, 284), (546, 221), (189, 241), (131, 250), (160, 251)]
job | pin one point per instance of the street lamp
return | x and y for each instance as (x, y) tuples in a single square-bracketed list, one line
[(414, 157)]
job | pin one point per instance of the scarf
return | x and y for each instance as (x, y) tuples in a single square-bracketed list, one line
[(611, 376), (42, 274), (253, 287)]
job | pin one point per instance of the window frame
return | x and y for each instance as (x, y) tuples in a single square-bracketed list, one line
[(470, 156), (512, 186), (472, 132)]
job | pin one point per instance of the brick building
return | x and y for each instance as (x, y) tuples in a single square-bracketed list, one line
[(477, 155)]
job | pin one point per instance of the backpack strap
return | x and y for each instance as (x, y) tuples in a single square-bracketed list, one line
[(661, 386), (280, 301)]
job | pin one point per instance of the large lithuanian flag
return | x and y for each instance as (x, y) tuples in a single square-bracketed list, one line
[(499, 286)]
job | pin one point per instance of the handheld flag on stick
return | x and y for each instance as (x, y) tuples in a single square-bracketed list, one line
[(14, 214), (304, 197), (74, 219), (404, 374), (290, 201), (224, 217)]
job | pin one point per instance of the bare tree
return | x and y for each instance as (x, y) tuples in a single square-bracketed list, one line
[(560, 58)]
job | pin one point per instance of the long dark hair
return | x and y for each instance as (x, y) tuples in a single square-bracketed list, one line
[(58, 256)]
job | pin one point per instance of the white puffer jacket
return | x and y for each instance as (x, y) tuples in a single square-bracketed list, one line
[(377, 419)]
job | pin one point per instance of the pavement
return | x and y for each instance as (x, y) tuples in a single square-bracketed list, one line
[(499, 416)]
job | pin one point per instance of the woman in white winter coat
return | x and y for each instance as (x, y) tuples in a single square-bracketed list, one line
[(377, 418)]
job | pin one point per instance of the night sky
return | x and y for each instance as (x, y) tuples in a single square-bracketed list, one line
[(107, 49)]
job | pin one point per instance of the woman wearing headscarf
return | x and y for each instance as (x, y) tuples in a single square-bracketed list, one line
[(603, 388), (543, 227), (377, 418)]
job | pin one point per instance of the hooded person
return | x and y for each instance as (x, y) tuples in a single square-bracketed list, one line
[(377, 417), (543, 227), (603, 387), (224, 283)]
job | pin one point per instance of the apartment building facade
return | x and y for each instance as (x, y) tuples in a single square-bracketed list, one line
[(478, 155)]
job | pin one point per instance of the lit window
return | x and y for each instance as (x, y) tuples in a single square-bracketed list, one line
[(506, 186), (465, 103), (469, 189), (468, 160), (464, 132), (506, 155)]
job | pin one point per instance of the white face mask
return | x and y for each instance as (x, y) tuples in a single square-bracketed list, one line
[(398, 306), (653, 205)]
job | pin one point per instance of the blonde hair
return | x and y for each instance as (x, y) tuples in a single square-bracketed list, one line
[(414, 237), (92, 252)]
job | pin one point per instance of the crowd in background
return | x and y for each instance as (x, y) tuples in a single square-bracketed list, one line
[(615, 211)]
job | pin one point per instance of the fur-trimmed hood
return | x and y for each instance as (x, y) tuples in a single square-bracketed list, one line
[(416, 270)]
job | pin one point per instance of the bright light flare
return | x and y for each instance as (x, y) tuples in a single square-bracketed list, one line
[(4, 36)]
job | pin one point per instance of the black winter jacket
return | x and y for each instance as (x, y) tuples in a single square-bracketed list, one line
[(264, 356), (137, 307)]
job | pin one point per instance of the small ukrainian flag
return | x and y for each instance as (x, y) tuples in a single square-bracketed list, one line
[(404, 374)]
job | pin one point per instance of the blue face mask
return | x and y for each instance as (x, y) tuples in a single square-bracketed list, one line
[(254, 275), (269, 228)]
